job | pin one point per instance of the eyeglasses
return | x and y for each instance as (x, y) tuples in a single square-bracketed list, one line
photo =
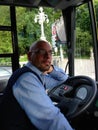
[(43, 52)]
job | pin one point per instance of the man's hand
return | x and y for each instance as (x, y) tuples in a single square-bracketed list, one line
[(50, 70)]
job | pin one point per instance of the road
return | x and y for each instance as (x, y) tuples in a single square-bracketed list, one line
[(82, 66)]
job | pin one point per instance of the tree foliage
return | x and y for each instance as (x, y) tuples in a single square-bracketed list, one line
[(84, 40), (29, 31), (83, 43)]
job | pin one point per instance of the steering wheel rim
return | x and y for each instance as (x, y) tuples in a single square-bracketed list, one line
[(77, 81)]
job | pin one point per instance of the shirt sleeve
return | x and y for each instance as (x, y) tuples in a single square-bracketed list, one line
[(32, 97), (56, 77)]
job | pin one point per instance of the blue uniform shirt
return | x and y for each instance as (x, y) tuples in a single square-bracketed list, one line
[(32, 97)]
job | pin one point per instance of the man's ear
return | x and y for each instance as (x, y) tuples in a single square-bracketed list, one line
[(29, 55)]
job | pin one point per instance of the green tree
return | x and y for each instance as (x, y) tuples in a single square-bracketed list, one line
[(83, 44), (28, 30), (5, 36), (83, 20)]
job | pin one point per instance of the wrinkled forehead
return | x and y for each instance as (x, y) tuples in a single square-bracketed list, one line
[(41, 45)]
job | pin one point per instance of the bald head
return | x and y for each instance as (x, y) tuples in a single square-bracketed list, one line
[(39, 44), (40, 55)]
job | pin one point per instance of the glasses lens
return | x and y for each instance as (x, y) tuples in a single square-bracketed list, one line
[(43, 52)]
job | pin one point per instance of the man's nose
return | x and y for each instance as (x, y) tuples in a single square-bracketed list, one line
[(49, 54)]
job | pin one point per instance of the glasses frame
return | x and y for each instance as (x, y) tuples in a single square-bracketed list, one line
[(42, 52)]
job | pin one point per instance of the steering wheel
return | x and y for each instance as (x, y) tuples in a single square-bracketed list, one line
[(74, 96)]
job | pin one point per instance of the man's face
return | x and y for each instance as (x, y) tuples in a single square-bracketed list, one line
[(41, 56)]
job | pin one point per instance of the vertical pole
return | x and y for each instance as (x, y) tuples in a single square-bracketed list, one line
[(15, 56)]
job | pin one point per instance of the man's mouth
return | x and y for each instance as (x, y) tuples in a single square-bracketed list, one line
[(46, 62)]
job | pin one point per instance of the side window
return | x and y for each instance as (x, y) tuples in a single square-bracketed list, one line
[(5, 46), (29, 29), (84, 57)]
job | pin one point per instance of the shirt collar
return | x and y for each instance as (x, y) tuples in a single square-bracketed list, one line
[(35, 69)]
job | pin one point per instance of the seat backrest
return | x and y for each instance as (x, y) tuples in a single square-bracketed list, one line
[(3, 84)]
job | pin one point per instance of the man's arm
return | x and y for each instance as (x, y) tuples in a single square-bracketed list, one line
[(55, 76), (50, 70), (39, 108)]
